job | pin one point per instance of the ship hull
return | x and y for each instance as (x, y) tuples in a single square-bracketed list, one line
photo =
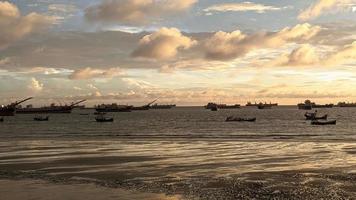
[(42, 111), (104, 110), (7, 112)]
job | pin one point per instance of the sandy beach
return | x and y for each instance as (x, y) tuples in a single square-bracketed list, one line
[(180, 169)]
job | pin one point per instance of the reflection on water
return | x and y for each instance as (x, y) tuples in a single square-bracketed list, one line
[(157, 159)]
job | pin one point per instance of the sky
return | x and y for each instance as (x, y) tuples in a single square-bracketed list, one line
[(187, 52)]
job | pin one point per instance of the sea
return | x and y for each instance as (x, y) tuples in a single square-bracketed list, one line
[(189, 151)]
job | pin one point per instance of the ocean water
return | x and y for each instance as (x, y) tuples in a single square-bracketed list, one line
[(195, 122), (189, 151)]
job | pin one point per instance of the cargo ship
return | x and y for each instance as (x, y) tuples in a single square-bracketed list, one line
[(144, 107), (9, 110), (221, 106), (261, 105), (103, 108), (344, 104), (308, 105), (166, 106), (53, 108)]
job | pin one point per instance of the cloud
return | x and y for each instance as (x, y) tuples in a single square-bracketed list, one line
[(93, 87), (89, 73), (342, 55), (241, 7), (163, 44), (303, 55), (135, 11), (35, 85), (226, 46), (14, 27), (325, 6)]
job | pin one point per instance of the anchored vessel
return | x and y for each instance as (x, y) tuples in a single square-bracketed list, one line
[(167, 106), (112, 108), (29, 109), (9, 110), (144, 107), (308, 105), (344, 104), (221, 106)]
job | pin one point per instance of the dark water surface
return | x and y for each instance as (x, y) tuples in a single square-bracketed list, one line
[(190, 152)]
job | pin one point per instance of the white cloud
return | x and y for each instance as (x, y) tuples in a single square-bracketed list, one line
[(241, 7)]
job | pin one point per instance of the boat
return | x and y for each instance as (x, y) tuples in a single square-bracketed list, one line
[(102, 118), (53, 108), (261, 105), (239, 119), (167, 106), (214, 109), (318, 122), (144, 107), (330, 105), (221, 106), (113, 108), (41, 118), (344, 104), (265, 105), (251, 104), (312, 116), (308, 105), (10, 110)]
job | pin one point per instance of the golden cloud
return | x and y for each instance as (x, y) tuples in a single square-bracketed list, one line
[(135, 11), (322, 6), (163, 44), (13, 26), (226, 46), (89, 73)]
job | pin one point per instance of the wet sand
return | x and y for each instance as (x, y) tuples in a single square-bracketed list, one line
[(187, 169), (43, 190)]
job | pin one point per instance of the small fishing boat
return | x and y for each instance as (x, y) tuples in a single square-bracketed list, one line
[(317, 122), (102, 118), (239, 119), (312, 116), (84, 114), (41, 118)]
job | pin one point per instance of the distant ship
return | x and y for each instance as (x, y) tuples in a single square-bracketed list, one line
[(9, 110), (221, 106), (103, 108), (144, 107), (251, 104), (262, 105), (344, 104), (167, 106), (308, 105), (29, 109)]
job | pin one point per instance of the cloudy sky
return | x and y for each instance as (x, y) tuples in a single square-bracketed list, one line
[(187, 52)]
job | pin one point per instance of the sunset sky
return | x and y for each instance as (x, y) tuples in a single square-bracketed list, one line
[(187, 52)]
